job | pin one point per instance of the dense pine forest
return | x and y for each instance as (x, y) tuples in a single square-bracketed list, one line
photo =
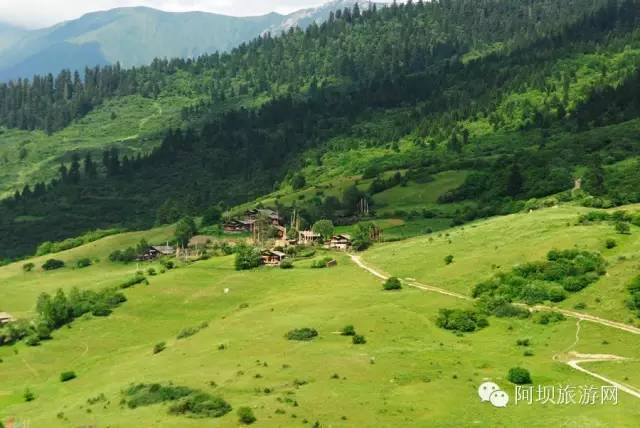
[(496, 87)]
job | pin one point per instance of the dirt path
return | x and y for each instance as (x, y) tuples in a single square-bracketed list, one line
[(575, 359)]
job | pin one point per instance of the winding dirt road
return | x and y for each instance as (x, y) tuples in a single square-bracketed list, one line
[(575, 359)]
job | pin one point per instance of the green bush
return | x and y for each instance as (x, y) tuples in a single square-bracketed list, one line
[(200, 405), (246, 416), (83, 263), (302, 334), (392, 283), (623, 228), (519, 376), (67, 376), (159, 347), (448, 260), (28, 267), (611, 243), (358, 339), (286, 264), (348, 330), (545, 318), (247, 257), (53, 264), (460, 320), (29, 395), (137, 279)]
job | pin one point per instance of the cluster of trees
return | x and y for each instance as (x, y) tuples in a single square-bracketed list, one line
[(634, 291), (533, 283), (461, 320), (56, 311)]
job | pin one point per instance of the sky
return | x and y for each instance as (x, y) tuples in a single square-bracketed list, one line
[(43, 13)]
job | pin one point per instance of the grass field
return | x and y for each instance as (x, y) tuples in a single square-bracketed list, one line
[(409, 373), (138, 125)]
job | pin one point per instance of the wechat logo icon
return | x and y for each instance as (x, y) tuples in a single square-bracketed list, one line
[(492, 393)]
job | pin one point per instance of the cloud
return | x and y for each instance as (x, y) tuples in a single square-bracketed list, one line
[(42, 13)]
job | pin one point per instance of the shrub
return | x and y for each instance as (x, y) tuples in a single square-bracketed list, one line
[(322, 263), (519, 376), (302, 334), (245, 415), (137, 279), (358, 339), (159, 347), (460, 320), (29, 395), (200, 405), (123, 256), (448, 260), (247, 257), (190, 331), (392, 283), (611, 243), (348, 330), (28, 267), (623, 228), (67, 376), (53, 264), (83, 263), (545, 318), (286, 264), (151, 272), (523, 342)]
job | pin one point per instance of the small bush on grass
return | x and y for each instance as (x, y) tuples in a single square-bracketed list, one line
[(392, 283), (448, 260), (519, 376), (29, 395), (200, 405), (137, 279), (28, 267), (623, 228), (286, 264), (190, 331), (83, 263), (358, 339), (322, 263), (246, 416), (611, 243), (159, 347), (545, 318), (348, 330), (460, 320), (151, 271), (67, 376), (302, 334), (53, 264)]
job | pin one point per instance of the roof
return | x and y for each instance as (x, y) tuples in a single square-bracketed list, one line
[(200, 240), (164, 249), (310, 234), (273, 253), (341, 237)]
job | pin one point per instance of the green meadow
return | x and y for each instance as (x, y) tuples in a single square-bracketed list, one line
[(409, 372)]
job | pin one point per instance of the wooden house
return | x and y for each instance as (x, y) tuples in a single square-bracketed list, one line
[(272, 258), (6, 318), (274, 217), (308, 237), (238, 226), (154, 252), (340, 242)]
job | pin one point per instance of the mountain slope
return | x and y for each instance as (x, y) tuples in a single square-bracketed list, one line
[(135, 36)]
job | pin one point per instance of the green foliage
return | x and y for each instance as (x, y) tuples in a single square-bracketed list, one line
[(246, 416), (286, 264), (83, 263), (185, 230), (298, 182), (28, 395), (448, 260), (348, 330), (247, 257), (190, 331), (123, 256), (519, 376), (358, 339), (138, 278), (392, 283), (321, 263), (302, 334), (634, 291), (67, 376), (545, 318), (623, 228), (324, 228), (53, 264), (212, 216), (28, 267), (611, 243), (56, 247), (200, 405), (159, 347), (459, 320), (537, 282)]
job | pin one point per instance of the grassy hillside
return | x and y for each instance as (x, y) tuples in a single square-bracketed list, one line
[(409, 372)]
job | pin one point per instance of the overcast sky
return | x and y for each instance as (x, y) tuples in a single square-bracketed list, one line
[(42, 13)]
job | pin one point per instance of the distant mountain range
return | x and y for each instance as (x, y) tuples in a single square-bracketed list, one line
[(135, 36)]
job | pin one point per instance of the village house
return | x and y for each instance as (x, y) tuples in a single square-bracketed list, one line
[(154, 252), (272, 257), (308, 237), (275, 218), (340, 242), (6, 318)]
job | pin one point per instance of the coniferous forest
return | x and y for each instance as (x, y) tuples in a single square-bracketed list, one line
[(486, 86)]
